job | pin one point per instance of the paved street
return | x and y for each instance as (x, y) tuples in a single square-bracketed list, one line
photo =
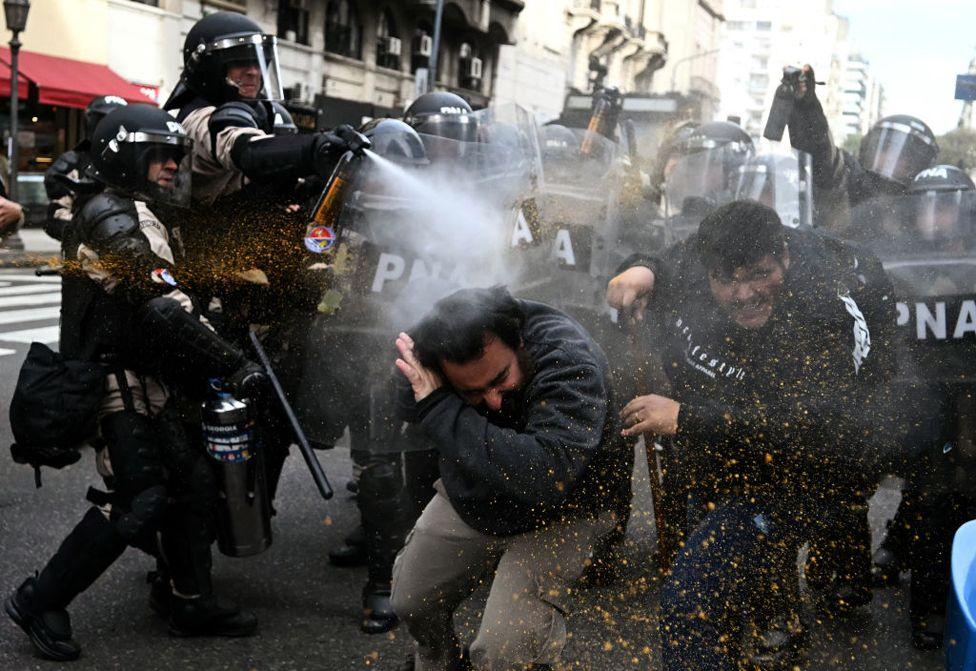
[(308, 609)]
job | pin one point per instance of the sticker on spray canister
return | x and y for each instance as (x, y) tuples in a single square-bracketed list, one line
[(163, 276), (320, 239), (229, 444)]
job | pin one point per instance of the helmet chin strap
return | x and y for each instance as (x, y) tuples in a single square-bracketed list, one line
[(237, 86)]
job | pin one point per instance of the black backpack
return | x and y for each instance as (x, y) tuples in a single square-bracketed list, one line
[(54, 408)]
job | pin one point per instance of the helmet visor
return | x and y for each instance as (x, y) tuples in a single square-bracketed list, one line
[(780, 181), (707, 173), (457, 127), (250, 65), (897, 151), (943, 215)]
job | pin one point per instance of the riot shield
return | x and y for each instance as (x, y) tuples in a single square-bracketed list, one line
[(564, 238), (927, 244), (781, 178)]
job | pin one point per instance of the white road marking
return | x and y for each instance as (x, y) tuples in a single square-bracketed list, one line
[(6, 352), (31, 315), (39, 299), (32, 278), (8, 290), (44, 334)]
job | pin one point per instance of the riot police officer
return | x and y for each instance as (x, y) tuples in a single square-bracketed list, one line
[(124, 310), (335, 397), (893, 152), (228, 101), (247, 164), (67, 175), (933, 229), (703, 173)]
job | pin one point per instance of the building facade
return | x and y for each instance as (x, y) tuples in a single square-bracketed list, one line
[(863, 97), (763, 36)]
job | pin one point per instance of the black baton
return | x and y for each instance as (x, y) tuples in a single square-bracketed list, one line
[(318, 474)]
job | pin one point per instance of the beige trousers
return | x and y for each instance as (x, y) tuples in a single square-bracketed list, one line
[(444, 560)]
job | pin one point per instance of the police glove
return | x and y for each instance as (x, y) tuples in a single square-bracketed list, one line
[(330, 146), (248, 381)]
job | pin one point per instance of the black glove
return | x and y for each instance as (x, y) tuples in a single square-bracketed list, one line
[(330, 146), (248, 381), (353, 140), (806, 90)]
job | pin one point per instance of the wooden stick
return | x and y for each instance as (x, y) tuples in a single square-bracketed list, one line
[(665, 538)]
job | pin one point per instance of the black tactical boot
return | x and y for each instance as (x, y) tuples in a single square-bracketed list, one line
[(209, 616), (160, 593), (353, 553), (781, 645), (886, 567), (49, 631), (927, 630), (378, 615), (844, 599)]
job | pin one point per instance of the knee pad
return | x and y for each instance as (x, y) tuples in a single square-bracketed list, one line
[(145, 513)]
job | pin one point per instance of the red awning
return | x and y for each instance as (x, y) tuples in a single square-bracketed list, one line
[(64, 81)]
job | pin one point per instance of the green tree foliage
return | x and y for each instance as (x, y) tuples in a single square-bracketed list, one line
[(958, 148), (852, 144)]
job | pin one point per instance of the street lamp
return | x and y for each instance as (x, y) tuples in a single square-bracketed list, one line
[(687, 59), (15, 11)]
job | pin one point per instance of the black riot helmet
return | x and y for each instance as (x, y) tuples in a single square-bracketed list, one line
[(706, 164), (394, 140), (443, 114), (559, 144), (98, 108), (943, 203), (141, 151), (898, 148), (227, 57)]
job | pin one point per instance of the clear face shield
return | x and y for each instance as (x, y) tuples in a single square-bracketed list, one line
[(706, 175), (458, 127), (897, 152), (250, 65), (782, 181), (502, 162), (165, 160), (944, 216)]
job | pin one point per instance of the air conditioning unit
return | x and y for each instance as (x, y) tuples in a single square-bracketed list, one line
[(394, 47), (473, 69), (426, 47)]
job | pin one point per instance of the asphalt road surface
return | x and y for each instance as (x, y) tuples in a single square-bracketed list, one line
[(309, 610)]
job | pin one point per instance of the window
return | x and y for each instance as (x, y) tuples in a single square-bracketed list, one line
[(421, 47), (293, 20), (469, 67), (388, 45), (343, 29)]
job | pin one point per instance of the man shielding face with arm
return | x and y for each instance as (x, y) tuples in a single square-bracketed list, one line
[(516, 397)]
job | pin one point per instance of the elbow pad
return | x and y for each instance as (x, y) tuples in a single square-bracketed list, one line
[(275, 157)]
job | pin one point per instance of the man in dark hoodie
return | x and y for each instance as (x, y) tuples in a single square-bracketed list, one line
[(516, 397), (779, 384)]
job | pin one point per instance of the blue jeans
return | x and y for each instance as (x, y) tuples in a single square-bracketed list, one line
[(732, 569)]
